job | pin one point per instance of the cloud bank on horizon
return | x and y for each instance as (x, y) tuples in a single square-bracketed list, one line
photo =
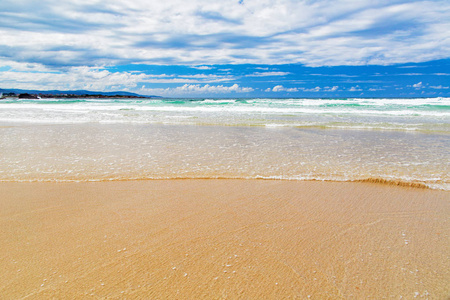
[(231, 47)]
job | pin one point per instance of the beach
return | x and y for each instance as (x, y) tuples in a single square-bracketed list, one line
[(217, 239), (242, 149), (224, 198)]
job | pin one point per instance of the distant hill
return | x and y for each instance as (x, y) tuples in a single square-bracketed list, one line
[(74, 92)]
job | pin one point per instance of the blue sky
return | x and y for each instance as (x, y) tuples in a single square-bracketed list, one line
[(229, 48)]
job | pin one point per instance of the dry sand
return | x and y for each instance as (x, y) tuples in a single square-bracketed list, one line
[(210, 239)]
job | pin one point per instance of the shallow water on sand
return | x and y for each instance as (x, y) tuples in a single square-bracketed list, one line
[(92, 151)]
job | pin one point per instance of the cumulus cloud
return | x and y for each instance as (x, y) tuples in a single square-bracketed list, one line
[(214, 88), (316, 89), (355, 89), (201, 32), (331, 89), (280, 88), (197, 89)]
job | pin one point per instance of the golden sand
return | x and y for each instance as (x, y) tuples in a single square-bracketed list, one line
[(210, 239)]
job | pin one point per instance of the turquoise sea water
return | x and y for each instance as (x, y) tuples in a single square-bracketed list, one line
[(404, 140), (427, 114)]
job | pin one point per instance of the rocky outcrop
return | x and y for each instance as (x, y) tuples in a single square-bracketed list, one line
[(28, 96)]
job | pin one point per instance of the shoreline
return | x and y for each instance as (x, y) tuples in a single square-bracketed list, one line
[(219, 238), (121, 151), (376, 181)]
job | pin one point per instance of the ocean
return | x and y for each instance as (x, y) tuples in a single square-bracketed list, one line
[(395, 140)]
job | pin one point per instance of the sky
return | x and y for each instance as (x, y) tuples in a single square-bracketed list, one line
[(228, 48)]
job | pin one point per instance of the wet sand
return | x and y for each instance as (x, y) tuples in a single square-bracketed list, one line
[(210, 239)]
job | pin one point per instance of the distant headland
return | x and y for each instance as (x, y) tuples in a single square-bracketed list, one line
[(35, 94)]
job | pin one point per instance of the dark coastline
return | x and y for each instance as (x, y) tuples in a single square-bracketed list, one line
[(69, 96), (37, 94)]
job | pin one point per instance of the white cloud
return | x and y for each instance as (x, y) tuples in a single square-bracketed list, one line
[(38, 77), (331, 89), (74, 78), (214, 88), (197, 89), (418, 85), (316, 89), (266, 74), (202, 67), (355, 89), (439, 87), (196, 78), (280, 88), (335, 75), (203, 32)]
